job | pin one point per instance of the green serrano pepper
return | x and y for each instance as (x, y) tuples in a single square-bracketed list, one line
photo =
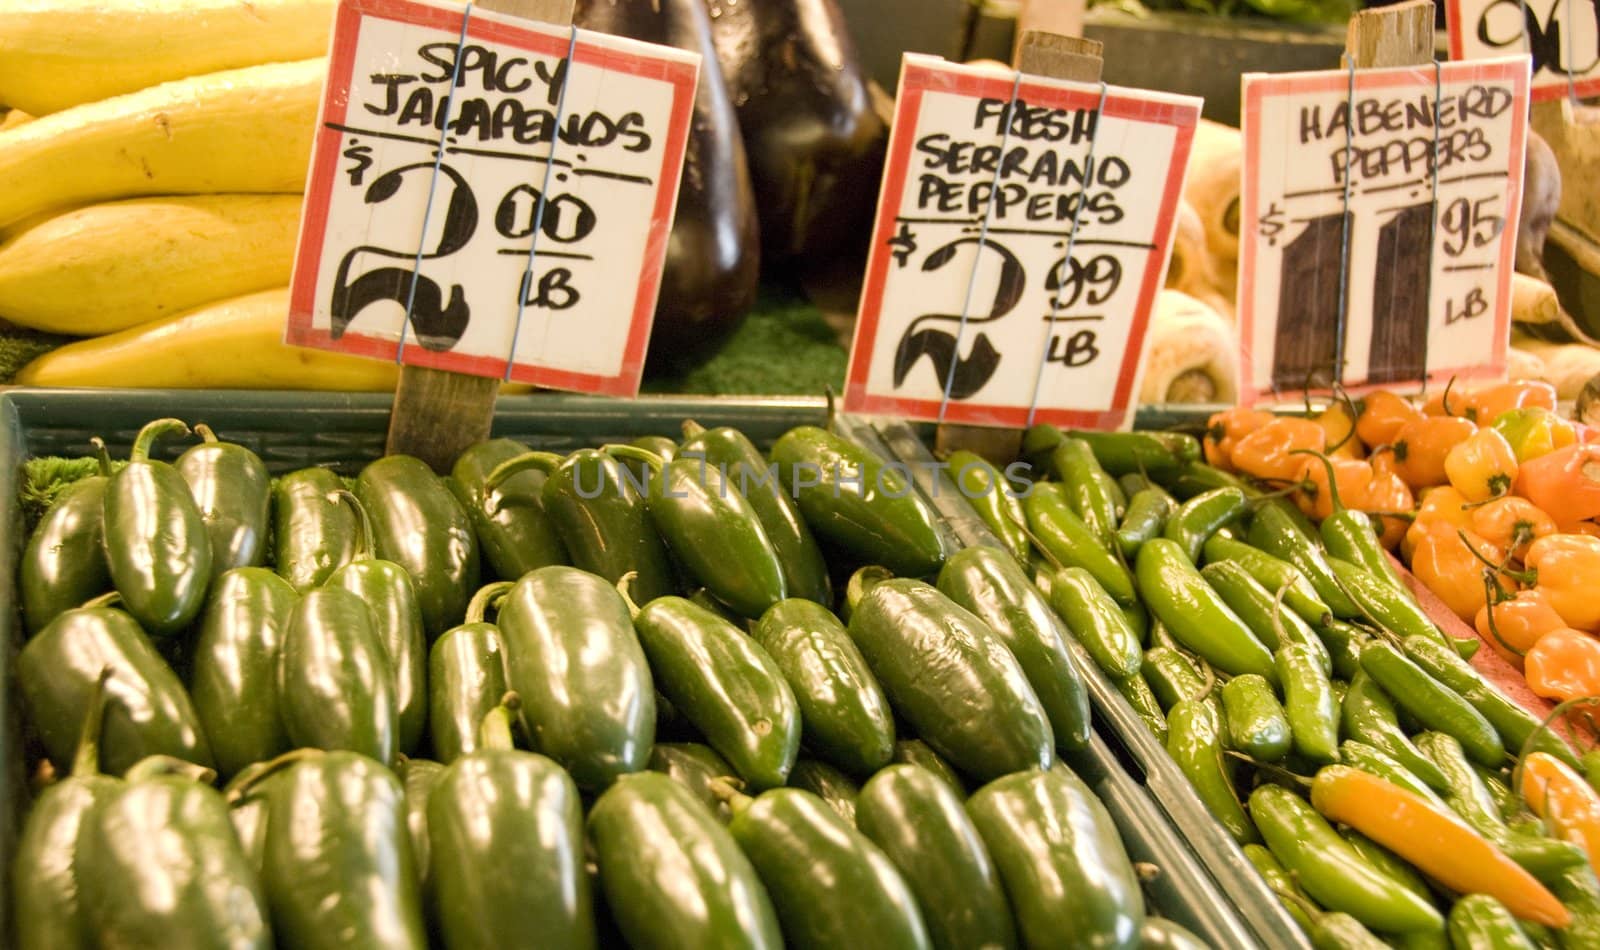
[(847, 720), (1479, 922), (573, 657), (1157, 453), (1341, 931), (992, 497), (1256, 724), (804, 571), (1171, 676), (1161, 934), (335, 684), (1276, 532), (1194, 739), (1261, 611), (235, 680), (1390, 606), (1282, 883), (994, 588), (1308, 700), (313, 532), (1513, 723), (1390, 864), (505, 829), (852, 500), (514, 533), (1096, 621), (1332, 871), (1148, 511), (1197, 616), (1349, 535), (418, 524), (466, 678), (157, 548), (233, 491), (1369, 759), (1143, 700), (1271, 573), (1368, 716), (1070, 542), (695, 765), (1085, 485), (1344, 642), (1432, 703), (1197, 477), (64, 563), (1197, 519), (837, 789)]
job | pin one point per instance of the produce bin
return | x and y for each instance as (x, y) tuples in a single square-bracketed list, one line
[(1142, 755), (293, 430)]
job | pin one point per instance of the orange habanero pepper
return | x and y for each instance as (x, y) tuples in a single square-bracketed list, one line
[(1352, 476), (1440, 505), (1383, 415), (1481, 466), (1563, 665), (1567, 569), (1535, 431), (1224, 430), (1389, 493), (1448, 401), (1512, 626), (1565, 482), (1266, 452), (1511, 523), (1564, 799), (1422, 445), (1339, 430), (1485, 405), (1442, 561)]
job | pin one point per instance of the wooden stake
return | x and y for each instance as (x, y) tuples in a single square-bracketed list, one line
[(1399, 35), (438, 414), (1058, 57)]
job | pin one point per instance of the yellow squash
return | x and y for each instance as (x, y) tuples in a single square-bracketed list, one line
[(55, 54), (233, 344), (111, 266), (244, 130)]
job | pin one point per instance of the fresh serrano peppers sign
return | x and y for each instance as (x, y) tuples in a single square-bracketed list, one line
[(1378, 240), (490, 195), (1562, 36), (1023, 232)]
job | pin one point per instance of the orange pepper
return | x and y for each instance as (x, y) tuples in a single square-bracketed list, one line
[(1225, 429), (1485, 405), (1352, 476), (1511, 523), (1448, 567), (1440, 505), (1518, 623), (1339, 428), (1535, 431), (1422, 445), (1563, 665), (1568, 571), (1383, 414), (1448, 401), (1564, 799), (1266, 452), (1565, 482), (1434, 840), (1481, 466), (1389, 493)]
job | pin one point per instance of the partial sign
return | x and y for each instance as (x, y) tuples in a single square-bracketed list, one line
[(1363, 257), (1562, 36), (560, 147), (984, 302)]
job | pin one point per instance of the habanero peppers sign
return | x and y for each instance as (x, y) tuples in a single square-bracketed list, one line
[(1379, 229), (1562, 36), (1015, 261), (510, 183)]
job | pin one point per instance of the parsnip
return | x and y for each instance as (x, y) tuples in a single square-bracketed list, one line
[(1193, 355)]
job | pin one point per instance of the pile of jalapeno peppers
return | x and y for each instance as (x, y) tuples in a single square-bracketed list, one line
[(529, 704), (1385, 790)]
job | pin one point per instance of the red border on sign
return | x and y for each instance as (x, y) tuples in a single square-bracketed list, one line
[(918, 78), (1514, 72), (324, 162), (1541, 90)]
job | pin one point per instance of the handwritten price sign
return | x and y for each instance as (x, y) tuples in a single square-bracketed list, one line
[(510, 184), (1379, 229), (1023, 231), (1562, 36)]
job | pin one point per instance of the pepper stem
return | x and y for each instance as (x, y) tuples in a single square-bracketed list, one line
[(104, 600), (545, 462), (364, 551), (1529, 577), (1033, 539), (1533, 737), (636, 454), (495, 730), (1490, 588), (1276, 771), (86, 760), (155, 766), (478, 606), (1333, 481), (862, 581), (691, 429), (1277, 612), (205, 433), (150, 433), (102, 455), (253, 775), (725, 789), (1444, 401), (1343, 395), (624, 584)]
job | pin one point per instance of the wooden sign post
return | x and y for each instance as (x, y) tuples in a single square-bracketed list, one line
[(1379, 204), (490, 199)]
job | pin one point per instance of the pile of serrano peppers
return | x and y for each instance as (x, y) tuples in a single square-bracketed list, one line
[(531, 704), (1383, 788)]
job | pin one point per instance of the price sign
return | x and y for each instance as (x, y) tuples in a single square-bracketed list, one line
[(509, 184), (1379, 228), (1023, 231), (1562, 36)]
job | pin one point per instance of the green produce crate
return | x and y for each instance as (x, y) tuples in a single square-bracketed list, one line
[(293, 430), (1140, 754)]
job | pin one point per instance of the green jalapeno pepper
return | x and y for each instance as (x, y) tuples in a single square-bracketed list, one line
[(1096, 621), (1198, 477), (599, 515), (157, 547), (1276, 532), (1148, 512), (418, 524), (64, 563), (695, 765), (1262, 612), (233, 491), (1172, 676), (658, 445), (505, 830), (852, 500), (513, 530), (466, 678), (805, 573), (313, 532), (1432, 703), (1308, 701), (417, 778), (1197, 519), (1197, 616), (993, 498), (834, 787), (1070, 542), (1282, 883), (1271, 573), (1152, 452), (235, 678), (1360, 755), (1392, 607), (1387, 862), (1194, 739), (1514, 724), (1344, 642), (1256, 723), (148, 711), (1161, 934), (1509, 804), (847, 721), (1087, 488), (952, 679), (710, 527), (919, 753), (1368, 715), (1579, 891), (1142, 699), (1341, 931), (335, 683), (1479, 922), (575, 661), (1349, 535), (993, 588)]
